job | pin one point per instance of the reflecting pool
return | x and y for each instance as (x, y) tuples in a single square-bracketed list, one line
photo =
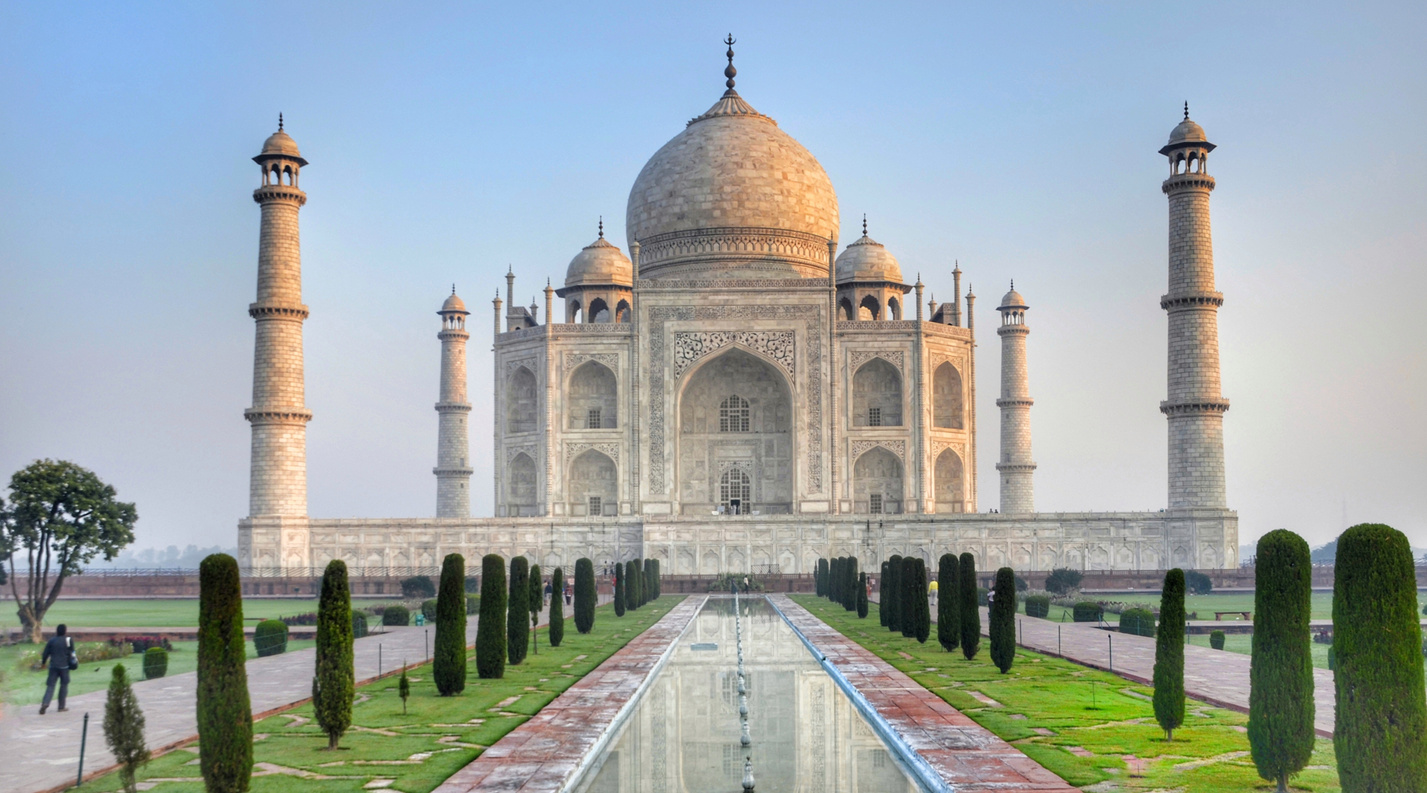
[(683, 736)]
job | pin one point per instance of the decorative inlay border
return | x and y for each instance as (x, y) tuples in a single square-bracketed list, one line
[(940, 446), (762, 284), (778, 345), (573, 450), (813, 319), (898, 448), (609, 359), (859, 357), (511, 451), (528, 363), (736, 242)]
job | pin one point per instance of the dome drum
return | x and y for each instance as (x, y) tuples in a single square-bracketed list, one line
[(694, 252)]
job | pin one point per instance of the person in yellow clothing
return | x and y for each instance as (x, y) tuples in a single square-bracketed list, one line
[(932, 589)]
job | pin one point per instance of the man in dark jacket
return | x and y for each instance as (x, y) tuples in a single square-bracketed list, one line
[(57, 654)]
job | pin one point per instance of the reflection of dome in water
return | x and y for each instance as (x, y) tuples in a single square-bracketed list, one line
[(734, 195)]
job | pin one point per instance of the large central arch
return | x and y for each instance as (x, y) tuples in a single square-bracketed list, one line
[(735, 420)]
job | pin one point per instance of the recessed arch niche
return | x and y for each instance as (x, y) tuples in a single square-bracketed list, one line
[(948, 408), (877, 395), (593, 398), (877, 482), (594, 485), (521, 397), (949, 482)]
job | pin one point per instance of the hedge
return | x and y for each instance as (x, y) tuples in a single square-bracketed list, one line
[(225, 715), (1216, 641), (1087, 611), (394, 616), (490, 630), (428, 610), (448, 660), (1281, 706), (155, 663), (585, 595), (270, 638), (1137, 622), (1037, 605)]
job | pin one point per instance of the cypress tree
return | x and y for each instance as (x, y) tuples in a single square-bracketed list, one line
[(535, 600), (557, 608), (658, 581), (907, 609), (881, 597), (1380, 726), (970, 611), (1281, 673), (923, 607), (334, 681), (647, 580), (892, 593), (948, 612), (849, 587), (619, 594), (862, 596), (225, 715), (490, 631), (403, 689), (124, 728), (832, 573), (818, 577), (1003, 620), (448, 667), (631, 584), (825, 568), (517, 620), (1169, 655), (585, 595)]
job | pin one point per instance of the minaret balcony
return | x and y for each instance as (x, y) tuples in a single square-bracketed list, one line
[(279, 192), (1196, 407), (1191, 300)]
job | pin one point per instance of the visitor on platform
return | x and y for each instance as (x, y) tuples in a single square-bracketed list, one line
[(59, 652), (568, 585), (548, 590), (933, 589)]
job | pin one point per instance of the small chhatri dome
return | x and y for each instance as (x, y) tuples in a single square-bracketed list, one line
[(453, 303), (280, 144), (1187, 133), (600, 264), (867, 260), (1013, 299)]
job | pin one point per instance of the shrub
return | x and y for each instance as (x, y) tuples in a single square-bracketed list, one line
[(225, 715), (517, 623), (1216, 640), (490, 631), (1137, 622), (124, 727), (981, 596), (141, 644), (1087, 611), (948, 604), (557, 608), (395, 616), (619, 605), (1021, 585), (472, 586), (1003, 620), (1198, 583), (585, 595), (1037, 606), (448, 660), (334, 682), (1380, 725), (473, 604), (1169, 655), (1063, 581), (155, 663), (1281, 707), (310, 618), (359, 625), (970, 614), (418, 587), (270, 638), (892, 593), (862, 596), (93, 652), (428, 610)]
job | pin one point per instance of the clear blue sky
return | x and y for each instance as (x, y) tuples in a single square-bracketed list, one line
[(447, 142)]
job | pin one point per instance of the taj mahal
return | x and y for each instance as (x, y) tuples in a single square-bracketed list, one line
[(737, 392)]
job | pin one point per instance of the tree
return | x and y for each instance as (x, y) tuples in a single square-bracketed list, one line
[(536, 602), (124, 728), (970, 611), (892, 593), (1380, 725), (403, 689), (517, 625), (334, 683), (907, 607), (1063, 581), (948, 604), (1281, 708), (225, 715), (1198, 583), (270, 638), (862, 596), (490, 630), (585, 595), (619, 594), (1169, 655), (882, 606), (818, 577), (557, 607), (849, 586), (59, 518), (448, 662), (923, 608), (632, 599), (1003, 620), (648, 581), (418, 587), (658, 581)]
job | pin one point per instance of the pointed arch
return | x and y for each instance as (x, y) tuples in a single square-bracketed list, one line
[(877, 482), (522, 493), (573, 311), (845, 310), (521, 401), (593, 485), (598, 311), (621, 312), (949, 482), (877, 395), (869, 308), (894, 308), (592, 398), (948, 405)]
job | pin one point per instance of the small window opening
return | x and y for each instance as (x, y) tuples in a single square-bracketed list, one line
[(592, 420), (874, 417), (874, 503), (595, 505), (733, 415)]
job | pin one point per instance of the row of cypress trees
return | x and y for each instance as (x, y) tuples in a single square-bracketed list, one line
[(840, 581), (636, 582)]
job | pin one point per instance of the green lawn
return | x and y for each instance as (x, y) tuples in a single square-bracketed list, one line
[(20, 686), (1101, 727), (416, 751), (155, 613), (1206, 605)]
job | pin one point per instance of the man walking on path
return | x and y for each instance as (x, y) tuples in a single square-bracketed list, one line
[(56, 652)]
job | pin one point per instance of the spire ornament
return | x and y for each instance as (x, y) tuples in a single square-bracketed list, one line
[(1186, 110), (729, 72), (601, 226), (864, 224), (279, 122)]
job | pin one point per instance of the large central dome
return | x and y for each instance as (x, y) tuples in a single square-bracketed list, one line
[(732, 196)]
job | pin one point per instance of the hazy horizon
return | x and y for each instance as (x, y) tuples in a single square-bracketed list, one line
[(448, 143)]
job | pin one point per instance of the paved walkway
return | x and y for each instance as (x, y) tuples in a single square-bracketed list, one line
[(966, 755), (42, 752), (540, 755)]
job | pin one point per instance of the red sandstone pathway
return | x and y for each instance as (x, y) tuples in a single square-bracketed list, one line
[(966, 755), (540, 755)]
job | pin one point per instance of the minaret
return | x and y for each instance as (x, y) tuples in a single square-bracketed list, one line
[(277, 490), (453, 470), (1195, 408), (1015, 465)]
